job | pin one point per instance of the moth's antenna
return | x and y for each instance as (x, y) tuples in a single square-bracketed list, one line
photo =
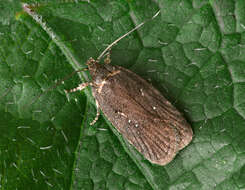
[(29, 11), (123, 36), (57, 84)]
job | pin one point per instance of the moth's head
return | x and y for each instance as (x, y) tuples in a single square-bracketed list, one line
[(96, 69), (91, 63)]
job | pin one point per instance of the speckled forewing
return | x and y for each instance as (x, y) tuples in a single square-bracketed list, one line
[(143, 116), (159, 106)]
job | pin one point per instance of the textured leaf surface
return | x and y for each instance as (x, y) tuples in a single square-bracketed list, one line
[(193, 53)]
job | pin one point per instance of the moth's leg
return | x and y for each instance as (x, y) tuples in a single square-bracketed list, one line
[(100, 86), (80, 87), (97, 114), (107, 60), (115, 72)]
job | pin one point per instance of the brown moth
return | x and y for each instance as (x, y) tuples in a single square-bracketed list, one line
[(137, 110)]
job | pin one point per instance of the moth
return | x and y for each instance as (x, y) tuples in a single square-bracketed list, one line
[(138, 111), (144, 117)]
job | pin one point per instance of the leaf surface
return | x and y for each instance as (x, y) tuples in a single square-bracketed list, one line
[(192, 52)]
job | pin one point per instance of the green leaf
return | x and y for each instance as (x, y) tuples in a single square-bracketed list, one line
[(192, 52)]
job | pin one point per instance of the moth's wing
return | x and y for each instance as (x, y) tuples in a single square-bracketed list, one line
[(143, 116), (145, 94), (157, 141)]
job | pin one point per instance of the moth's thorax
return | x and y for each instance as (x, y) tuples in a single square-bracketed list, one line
[(97, 70)]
